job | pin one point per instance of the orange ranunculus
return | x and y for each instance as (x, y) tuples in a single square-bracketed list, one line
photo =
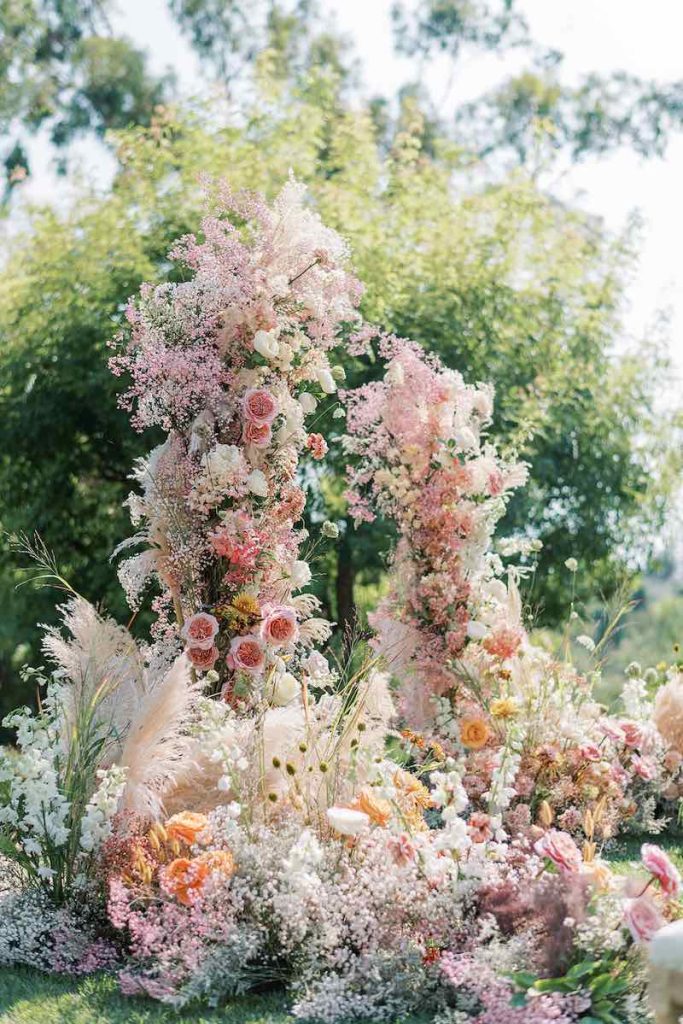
[(183, 877), (377, 809), (186, 826), (220, 861), (474, 733)]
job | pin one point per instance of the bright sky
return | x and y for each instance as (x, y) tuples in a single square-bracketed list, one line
[(599, 35)]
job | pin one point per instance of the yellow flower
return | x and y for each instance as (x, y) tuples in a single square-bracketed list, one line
[(474, 733), (246, 605), (503, 707)]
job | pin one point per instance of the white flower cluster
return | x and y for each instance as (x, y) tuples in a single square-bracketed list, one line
[(35, 808), (96, 823)]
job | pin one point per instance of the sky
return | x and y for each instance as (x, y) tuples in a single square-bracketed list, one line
[(595, 35)]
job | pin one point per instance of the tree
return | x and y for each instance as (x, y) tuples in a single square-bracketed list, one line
[(60, 66), (594, 116)]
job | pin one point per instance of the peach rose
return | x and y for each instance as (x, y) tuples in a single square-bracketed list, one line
[(186, 826), (183, 878), (219, 862), (259, 406), (258, 434), (474, 733), (203, 659), (560, 848), (246, 653), (642, 918), (279, 627), (658, 864), (199, 630)]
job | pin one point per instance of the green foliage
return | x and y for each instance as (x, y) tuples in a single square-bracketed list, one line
[(60, 65)]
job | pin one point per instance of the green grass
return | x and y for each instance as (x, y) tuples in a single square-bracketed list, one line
[(30, 998)]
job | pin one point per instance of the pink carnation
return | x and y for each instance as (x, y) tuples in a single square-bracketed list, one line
[(199, 631), (259, 406), (644, 767), (560, 848), (279, 627), (642, 918), (247, 654), (659, 865), (317, 445)]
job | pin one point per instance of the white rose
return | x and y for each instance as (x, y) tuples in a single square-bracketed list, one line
[(346, 821), (266, 344), (307, 402), (257, 483), (285, 689), (300, 574), (224, 460), (327, 381)]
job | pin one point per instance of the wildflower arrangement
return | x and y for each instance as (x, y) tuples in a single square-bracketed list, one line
[(219, 809)]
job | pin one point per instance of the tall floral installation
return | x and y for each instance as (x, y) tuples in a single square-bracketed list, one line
[(220, 808)]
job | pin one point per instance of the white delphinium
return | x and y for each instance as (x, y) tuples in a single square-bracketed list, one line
[(501, 791), (96, 823), (635, 699)]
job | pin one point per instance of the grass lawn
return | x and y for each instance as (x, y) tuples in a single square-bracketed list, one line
[(30, 998)]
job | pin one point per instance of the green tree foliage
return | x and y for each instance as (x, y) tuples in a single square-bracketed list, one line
[(61, 66), (597, 114)]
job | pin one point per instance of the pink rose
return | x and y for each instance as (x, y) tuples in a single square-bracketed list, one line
[(259, 406), (642, 918), (590, 752), (659, 865), (203, 658), (246, 653), (258, 434), (560, 848), (279, 627), (199, 630)]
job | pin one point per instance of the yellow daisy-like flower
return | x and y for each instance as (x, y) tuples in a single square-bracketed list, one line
[(246, 605), (503, 707)]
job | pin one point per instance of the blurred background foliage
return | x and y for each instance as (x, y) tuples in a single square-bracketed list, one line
[(458, 245)]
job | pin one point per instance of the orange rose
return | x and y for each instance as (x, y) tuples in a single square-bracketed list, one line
[(186, 826), (377, 809), (183, 877), (474, 733)]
